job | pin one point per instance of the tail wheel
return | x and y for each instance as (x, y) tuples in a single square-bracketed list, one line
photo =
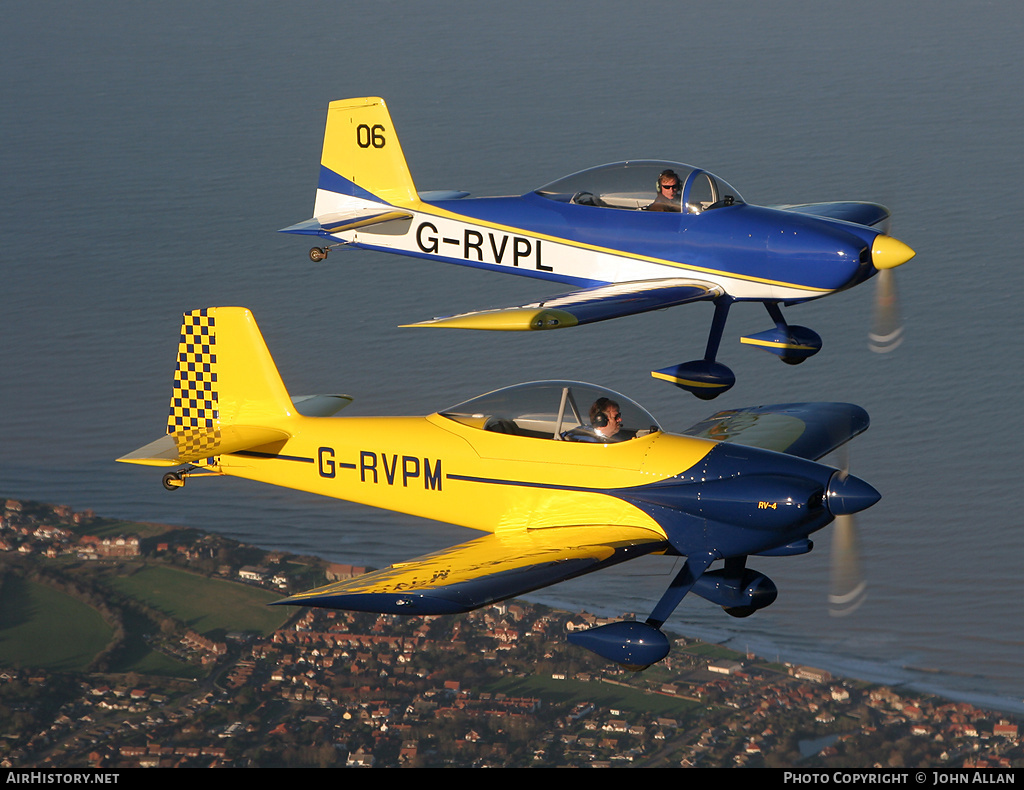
[(173, 481)]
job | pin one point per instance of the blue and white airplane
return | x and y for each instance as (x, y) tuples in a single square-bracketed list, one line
[(631, 237)]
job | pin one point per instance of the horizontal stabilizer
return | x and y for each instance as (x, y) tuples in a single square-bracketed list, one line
[(194, 444), (348, 220), (585, 306), (309, 227), (807, 430), (485, 570), (443, 194), (320, 405)]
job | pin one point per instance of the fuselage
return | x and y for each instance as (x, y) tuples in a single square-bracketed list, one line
[(700, 494), (752, 252)]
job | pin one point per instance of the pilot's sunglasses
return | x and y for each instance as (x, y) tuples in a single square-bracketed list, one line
[(670, 186)]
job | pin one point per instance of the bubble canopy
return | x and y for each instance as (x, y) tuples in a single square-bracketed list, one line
[(633, 185), (548, 410)]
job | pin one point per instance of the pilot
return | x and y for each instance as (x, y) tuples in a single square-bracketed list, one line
[(605, 425), (669, 192)]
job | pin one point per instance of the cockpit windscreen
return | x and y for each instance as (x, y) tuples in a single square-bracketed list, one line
[(557, 410), (635, 185)]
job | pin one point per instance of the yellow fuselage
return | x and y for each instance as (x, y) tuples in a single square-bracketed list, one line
[(440, 469)]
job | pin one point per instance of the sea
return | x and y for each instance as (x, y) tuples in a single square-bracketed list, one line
[(149, 152)]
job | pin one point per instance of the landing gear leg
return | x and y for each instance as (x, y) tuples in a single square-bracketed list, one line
[(638, 645), (692, 570), (734, 568), (717, 328)]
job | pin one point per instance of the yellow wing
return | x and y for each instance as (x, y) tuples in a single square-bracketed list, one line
[(485, 570)]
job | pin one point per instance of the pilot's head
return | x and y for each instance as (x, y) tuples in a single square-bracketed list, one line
[(669, 184), (605, 417)]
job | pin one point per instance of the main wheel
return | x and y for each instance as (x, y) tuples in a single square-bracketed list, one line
[(317, 254), (173, 481)]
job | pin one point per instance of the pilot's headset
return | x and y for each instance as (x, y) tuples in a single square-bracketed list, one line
[(599, 418)]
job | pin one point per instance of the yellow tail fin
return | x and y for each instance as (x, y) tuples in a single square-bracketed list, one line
[(225, 372), (227, 394), (362, 158)]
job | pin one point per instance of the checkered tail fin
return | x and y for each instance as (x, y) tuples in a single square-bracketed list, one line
[(227, 394)]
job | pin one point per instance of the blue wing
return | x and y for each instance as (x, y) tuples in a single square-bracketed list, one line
[(868, 214), (807, 430)]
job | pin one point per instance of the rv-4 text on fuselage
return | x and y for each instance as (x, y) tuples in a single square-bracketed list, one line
[(564, 477), (631, 236)]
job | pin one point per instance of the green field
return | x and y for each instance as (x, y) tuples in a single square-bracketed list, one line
[(601, 694), (43, 628), (111, 528), (211, 607), (40, 627)]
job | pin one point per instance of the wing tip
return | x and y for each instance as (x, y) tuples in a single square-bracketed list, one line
[(515, 319)]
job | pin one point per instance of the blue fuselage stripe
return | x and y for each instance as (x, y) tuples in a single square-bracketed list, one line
[(278, 457)]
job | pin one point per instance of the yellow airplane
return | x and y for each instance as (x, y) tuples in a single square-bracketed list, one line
[(564, 477)]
